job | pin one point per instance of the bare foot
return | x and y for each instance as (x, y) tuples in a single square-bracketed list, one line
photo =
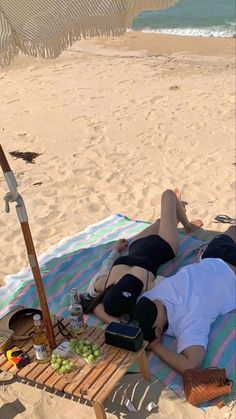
[(178, 193), (194, 225)]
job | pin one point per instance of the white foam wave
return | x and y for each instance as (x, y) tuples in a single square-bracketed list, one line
[(217, 32), (231, 23)]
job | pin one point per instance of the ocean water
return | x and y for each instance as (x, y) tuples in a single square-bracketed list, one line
[(191, 17)]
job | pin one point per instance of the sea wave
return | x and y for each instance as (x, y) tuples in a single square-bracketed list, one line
[(217, 31)]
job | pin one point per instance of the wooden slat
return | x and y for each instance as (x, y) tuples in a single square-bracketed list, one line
[(116, 376), (94, 382), (29, 370), (93, 337), (50, 377), (101, 381), (87, 368), (99, 411), (25, 345), (143, 366), (106, 390), (99, 370)]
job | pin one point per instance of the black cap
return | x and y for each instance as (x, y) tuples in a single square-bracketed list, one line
[(122, 297), (144, 314)]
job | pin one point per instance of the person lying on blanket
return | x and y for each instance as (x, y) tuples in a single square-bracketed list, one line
[(186, 304), (122, 279)]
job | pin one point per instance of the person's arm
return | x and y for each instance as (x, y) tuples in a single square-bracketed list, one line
[(103, 316), (106, 265), (190, 358)]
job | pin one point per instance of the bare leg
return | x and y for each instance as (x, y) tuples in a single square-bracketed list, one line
[(172, 212), (189, 226), (152, 229)]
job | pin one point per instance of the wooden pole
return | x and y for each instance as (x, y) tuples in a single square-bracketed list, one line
[(13, 196)]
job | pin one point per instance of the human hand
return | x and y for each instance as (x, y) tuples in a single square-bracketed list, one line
[(158, 334), (121, 244)]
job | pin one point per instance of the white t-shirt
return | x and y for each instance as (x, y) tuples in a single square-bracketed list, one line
[(194, 297)]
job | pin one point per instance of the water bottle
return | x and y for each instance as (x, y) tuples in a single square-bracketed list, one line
[(76, 316)]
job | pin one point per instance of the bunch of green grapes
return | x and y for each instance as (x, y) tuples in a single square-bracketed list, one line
[(62, 365), (85, 349)]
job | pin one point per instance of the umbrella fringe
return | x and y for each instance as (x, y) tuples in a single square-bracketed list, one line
[(52, 48), (8, 54), (88, 28)]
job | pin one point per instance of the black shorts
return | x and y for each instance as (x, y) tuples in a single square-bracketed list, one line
[(221, 247), (147, 252)]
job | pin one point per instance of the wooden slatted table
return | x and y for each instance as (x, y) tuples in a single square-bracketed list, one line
[(92, 382)]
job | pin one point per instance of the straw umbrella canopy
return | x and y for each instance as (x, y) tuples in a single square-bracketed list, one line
[(45, 28)]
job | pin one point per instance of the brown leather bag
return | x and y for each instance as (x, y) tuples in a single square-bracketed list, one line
[(201, 385)]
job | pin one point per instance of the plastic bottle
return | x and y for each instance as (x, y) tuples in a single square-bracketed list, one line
[(40, 341), (76, 316)]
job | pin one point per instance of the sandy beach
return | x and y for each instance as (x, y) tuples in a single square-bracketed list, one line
[(114, 123)]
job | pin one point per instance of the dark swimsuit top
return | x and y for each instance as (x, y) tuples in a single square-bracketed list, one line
[(139, 261)]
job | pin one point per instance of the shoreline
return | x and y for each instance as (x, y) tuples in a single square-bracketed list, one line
[(159, 44)]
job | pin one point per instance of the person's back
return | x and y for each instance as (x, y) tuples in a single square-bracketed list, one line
[(194, 297), (187, 303)]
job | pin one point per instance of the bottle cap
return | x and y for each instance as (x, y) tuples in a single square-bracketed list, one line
[(36, 317)]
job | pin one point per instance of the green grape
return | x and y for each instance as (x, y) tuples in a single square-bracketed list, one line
[(78, 351), (90, 358), (62, 370), (95, 347), (54, 366), (54, 356), (68, 368), (85, 355), (97, 353), (57, 366), (87, 342), (81, 342), (65, 362)]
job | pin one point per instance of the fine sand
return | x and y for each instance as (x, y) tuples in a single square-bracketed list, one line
[(115, 122)]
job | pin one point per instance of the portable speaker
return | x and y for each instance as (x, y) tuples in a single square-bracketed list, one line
[(124, 336)]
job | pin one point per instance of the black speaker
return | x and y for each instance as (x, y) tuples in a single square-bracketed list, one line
[(124, 336)]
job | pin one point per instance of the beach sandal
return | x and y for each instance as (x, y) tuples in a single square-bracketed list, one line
[(225, 219)]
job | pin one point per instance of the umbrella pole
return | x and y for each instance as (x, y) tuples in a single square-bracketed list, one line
[(14, 196)]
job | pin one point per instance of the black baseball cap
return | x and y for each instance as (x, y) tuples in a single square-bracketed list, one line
[(144, 315), (122, 297)]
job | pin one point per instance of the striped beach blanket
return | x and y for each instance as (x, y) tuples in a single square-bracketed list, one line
[(74, 261)]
